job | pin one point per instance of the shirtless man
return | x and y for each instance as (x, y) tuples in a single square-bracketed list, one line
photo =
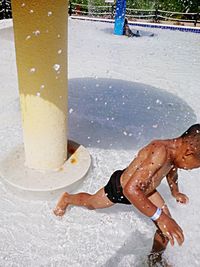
[(137, 185)]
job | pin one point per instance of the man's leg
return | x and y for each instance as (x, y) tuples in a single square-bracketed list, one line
[(96, 201), (160, 241)]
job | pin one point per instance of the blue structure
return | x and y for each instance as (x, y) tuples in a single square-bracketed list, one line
[(120, 16)]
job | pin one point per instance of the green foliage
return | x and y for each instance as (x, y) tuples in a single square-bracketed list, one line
[(169, 5)]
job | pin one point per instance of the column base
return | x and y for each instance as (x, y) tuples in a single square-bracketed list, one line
[(44, 185)]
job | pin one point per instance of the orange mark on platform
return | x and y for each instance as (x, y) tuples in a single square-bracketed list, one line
[(73, 160)]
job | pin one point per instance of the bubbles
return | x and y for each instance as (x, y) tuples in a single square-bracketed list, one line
[(42, 86), (49, 13), (38, 94), (23, 5), (31, 11), (59, 51), (71, 110)]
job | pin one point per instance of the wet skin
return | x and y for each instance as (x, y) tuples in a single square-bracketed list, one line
[(155, 161), (159, 159)]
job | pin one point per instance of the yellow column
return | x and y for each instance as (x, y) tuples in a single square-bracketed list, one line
[(40, 29)]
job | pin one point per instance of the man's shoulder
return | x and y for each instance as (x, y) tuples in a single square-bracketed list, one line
[(157, 149)]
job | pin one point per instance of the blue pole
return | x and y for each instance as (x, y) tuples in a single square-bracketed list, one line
[(120, 16)]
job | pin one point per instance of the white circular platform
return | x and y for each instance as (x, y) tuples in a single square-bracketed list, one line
[(44, 185)]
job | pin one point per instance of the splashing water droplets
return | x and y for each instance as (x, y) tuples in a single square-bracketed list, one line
[(32, 70), (28, 37), (36, 33), (56, 67), (155, 126), (158, 102)]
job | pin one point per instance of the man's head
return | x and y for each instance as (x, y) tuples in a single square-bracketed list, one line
[(189, 157)]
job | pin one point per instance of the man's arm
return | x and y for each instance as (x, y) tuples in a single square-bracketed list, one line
[(172, 179), (139, 181)]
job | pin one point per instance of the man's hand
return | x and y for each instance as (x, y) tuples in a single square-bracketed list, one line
[(181, 198), (170, 229)]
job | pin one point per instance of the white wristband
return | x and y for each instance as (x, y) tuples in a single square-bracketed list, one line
[(156, 214)]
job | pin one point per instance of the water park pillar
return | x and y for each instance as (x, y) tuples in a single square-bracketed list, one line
[(47, 164), (40, 29), (120, 17)]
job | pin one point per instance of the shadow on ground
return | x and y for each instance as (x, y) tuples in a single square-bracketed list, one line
[(7, 34), (111, 113), (133, 250), (133, 29)]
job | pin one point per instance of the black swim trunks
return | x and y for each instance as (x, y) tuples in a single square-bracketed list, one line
[(113, 189)]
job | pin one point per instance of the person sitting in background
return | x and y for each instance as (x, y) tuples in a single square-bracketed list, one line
[(127, 31)]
